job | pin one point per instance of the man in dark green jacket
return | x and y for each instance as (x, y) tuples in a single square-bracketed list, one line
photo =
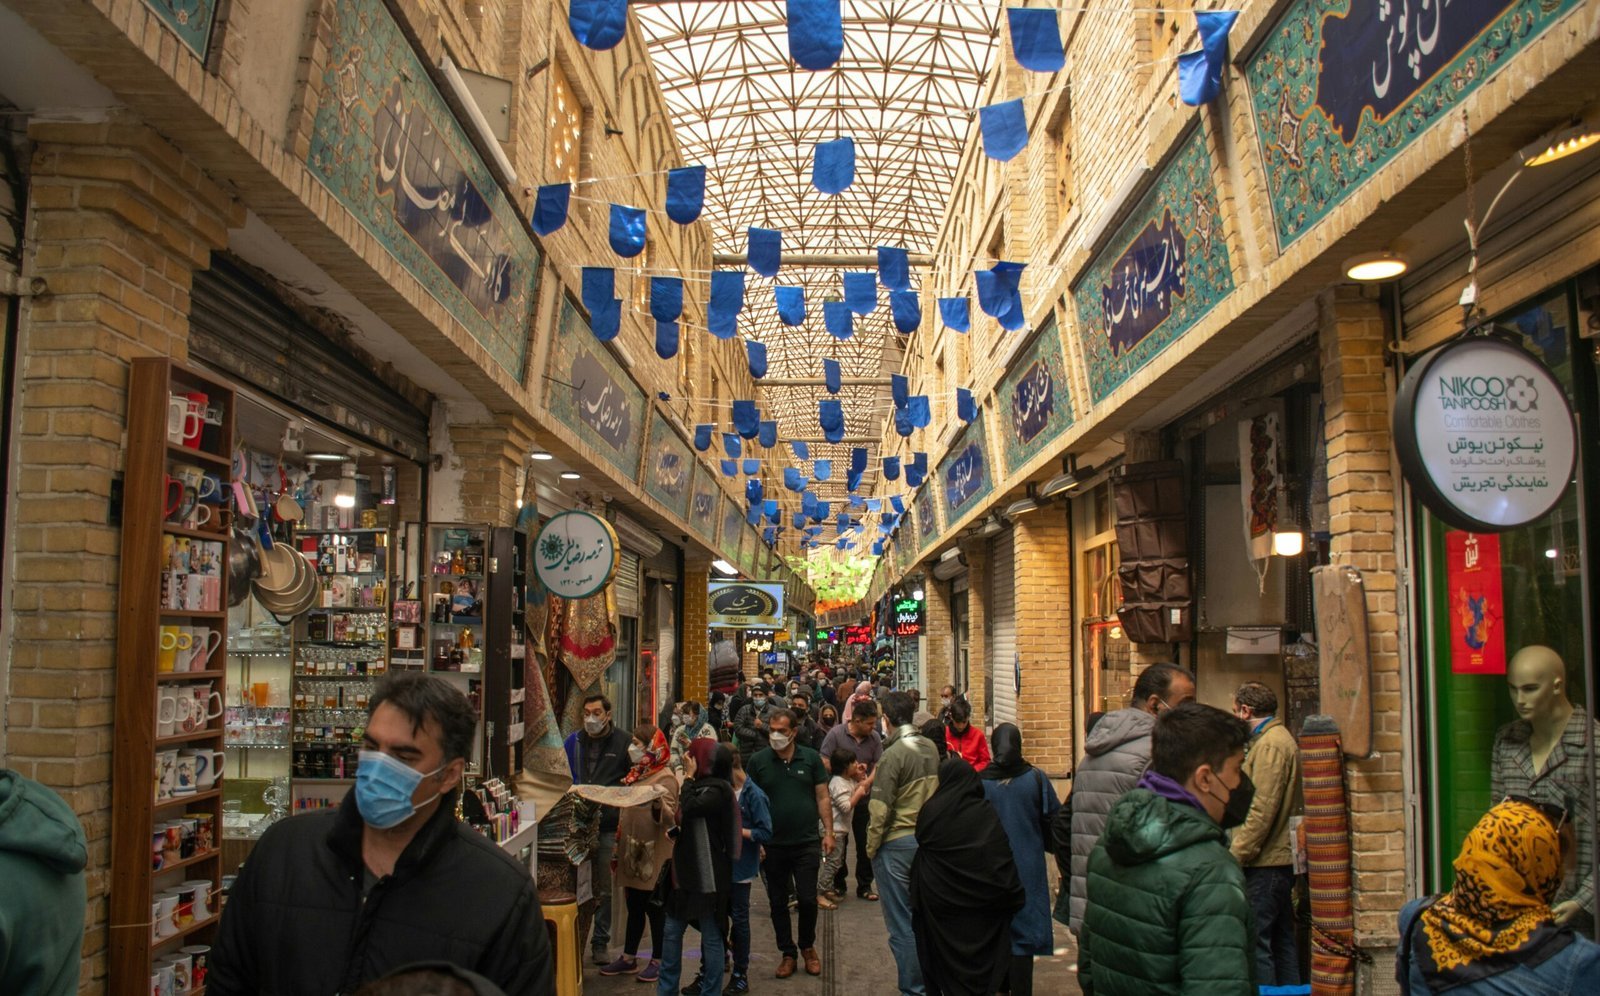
[(42, 855), (1166, 911)]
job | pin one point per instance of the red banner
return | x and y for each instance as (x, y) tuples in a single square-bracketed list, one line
[(1477, 606)]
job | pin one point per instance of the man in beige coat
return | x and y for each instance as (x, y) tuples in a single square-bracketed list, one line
[(1261, 843)]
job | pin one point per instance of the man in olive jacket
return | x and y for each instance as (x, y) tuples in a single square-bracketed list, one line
[(1272, 762), (1166, 910)]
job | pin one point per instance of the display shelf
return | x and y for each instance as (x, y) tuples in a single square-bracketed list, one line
[(330, 676), (195, 613), (160, 945), (258, 653), (177, 451), (179, 739), (189, 862), (258, 746), (188, 675), (202, 534), (178, 800), (363, 531)]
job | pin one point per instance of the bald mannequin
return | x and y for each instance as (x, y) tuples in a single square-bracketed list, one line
[(1538, 680)]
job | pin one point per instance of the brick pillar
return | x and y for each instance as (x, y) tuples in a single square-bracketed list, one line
[(491, 454), (938, 647), (977, 627), (1043, 581), (695, 678), (118, 221), (1352, 331)]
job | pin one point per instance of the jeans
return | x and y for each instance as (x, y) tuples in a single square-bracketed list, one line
[(672, 956), (797, 865), (600, 939), (739, 926), (1270, 891), (893, 868), (640, 912)]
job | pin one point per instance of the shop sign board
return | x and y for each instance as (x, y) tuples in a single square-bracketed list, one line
[(1165, 268), (1340, 87), (907, 617), (1477, 603), (669, 467), (744, 605), (965, 475), (1484, 434), (592, 395), (1035, 401), (387, 146), (576, 554), (703, 503), (857, 635), (926, 518)]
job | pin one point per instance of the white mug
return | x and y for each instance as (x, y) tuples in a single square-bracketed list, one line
[(170, 709), (182, 420), (167, 914), (207, 704), (208, 764), (203, 643), (186, 782), (202, 897), (166, 773)]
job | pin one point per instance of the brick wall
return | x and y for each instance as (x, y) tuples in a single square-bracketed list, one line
[(977, 552), (490, 454), (938, 644), (696, 649), (1042, 576)]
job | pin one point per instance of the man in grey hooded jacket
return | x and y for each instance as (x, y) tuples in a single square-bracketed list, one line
[(1115, 756)]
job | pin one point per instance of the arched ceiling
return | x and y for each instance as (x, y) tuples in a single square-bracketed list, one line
[(905, 89)]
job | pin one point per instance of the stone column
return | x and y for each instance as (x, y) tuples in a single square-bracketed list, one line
[(977, 627), (491, 455), (1043, 585), (1352, 330)]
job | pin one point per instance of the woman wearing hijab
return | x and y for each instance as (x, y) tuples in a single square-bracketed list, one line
[(643, 850), (708, 841), (1026, 802), (964, 888), (1494, 932)]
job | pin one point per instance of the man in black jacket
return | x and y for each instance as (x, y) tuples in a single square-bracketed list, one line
[(330, 900), (598, 755)]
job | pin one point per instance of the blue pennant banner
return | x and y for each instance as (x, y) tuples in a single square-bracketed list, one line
[(833, 165), (999, 294), (730, 468), (769, 506), (852, 480), (731, 444), (899, 389), (666, 298), (764, 251), (1036, 38), (702, 436), (686, 193), (627, 230), (966, 409), (858, 458), (917, 471), (816, 33), (768, 434), (756, 353), (831, 375), (746, 419), (808, 503), (753, 514), (801, 450), (605, 320), (791, 303), (1200, 72), (956, 313), (793, 481), (894, 268), (902, 422), (727, 300), (751, 466), (598, 24), (830, 416), (898, 505), (861, 292), (666, 339), (798, 520), (822, 470), (598, 287), (917, 410), (906, 309), (1005, 130), (836, 316), (550, 207)]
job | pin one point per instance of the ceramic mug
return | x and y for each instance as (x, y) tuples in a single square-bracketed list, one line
[(166, 773), (201, 953), (203, 642), (208, 765), (174, 707), (207, 704), (196, 405), (205, 829), (158, 847), (183, 420), (199, 514), (172, 842), (202, 896), (185, 911), (167, 914), (185, 775), (181, 965), (173, 639)]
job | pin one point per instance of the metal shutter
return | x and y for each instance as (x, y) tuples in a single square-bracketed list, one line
[(1002, 647), (627, 585)]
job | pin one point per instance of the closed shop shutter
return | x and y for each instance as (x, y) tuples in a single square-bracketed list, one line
[(627, 585), (1002, 647)]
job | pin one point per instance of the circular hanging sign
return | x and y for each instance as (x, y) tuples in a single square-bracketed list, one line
[(1484, 433), (576, 554)]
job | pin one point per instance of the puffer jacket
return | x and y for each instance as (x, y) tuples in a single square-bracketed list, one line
[(1115, 755), (42, 856), (1273, 763), (1167, 912)]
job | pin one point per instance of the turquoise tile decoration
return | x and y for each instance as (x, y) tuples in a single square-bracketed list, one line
[(1340, 87), (1035, 402), (588, 392), (190, 20), (703, 503), (669, 466), (386, 146), (1165, 268), (732, 527), (927, 518), (966, 474)]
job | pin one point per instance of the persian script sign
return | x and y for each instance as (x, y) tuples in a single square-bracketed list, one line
[(1143, 282), (703, 505), (671, 467), (592, 396), (1033, 403), (576, 554), (1037, 398), (599, 400), (964, 477), (744, 605)]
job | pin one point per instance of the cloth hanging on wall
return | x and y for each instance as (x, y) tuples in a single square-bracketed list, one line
[(589, 636), (1261, 486)]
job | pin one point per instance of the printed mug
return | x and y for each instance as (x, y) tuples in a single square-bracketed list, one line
[(202, 896), (196, 408), (203, 642), (166, 773), (172, 640), (208, 765), (183, 421), (184, 779)]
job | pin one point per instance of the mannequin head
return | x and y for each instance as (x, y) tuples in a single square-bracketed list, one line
[(1538, 680)]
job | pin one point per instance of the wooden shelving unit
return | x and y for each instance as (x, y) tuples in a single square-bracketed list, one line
[(147, 536)]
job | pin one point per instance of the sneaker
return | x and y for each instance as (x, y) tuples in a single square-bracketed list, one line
[(622, 966), (600, 956), (693, 988), (651, 972), (737, 984)]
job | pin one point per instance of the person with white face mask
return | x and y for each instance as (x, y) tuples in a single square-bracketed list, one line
[(598, 755), (751, 725)]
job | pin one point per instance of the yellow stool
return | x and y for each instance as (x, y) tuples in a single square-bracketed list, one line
[(562, 923)]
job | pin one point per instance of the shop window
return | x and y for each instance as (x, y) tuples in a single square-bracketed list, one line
[(1104, 646), (566, 129)]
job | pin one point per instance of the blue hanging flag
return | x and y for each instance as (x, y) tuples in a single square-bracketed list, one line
[(823, 510), (877, 548), (769, 506), (822, 470), (874, 504), (767, 535), (836, 316), (1036, 38), (798, 520), (702, 436), (727, 300), (816, 33), (599, 286), (792, 480), (861, 292), (858, 458), (666, 298), (746, 419), (899, 389), (666, 340), (999, 293), (902, 422), (914, 475), (842, 522), (731, 444), (550, 207), (801, 450), (830, 415), (752, 466), (966, 410), (768, 432), (756, 353), (686, 193), (955, 312), (833, 165), (764, 251), (730, 468), (856, 501), (753, 490), (906, 310), (1005, 130), (898, 505), (753, 514), (830, 375), (808, 503), (852, 480), (894, 268), (791, 303), (627, 230), (605, 320), (917, 411), (1200, 71), (844, 544), (598, 24)]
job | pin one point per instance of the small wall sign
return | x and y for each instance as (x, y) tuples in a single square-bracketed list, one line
[(1484, 433), (743, 605), (576, 554)]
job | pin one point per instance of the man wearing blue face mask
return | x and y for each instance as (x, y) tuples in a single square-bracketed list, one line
[(332, 899)]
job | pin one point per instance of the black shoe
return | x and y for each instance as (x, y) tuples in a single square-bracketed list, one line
[(737, 984), (693, 988)]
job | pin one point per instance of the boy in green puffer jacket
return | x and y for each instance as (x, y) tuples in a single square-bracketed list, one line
[(1167, 912), (42, 854)]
